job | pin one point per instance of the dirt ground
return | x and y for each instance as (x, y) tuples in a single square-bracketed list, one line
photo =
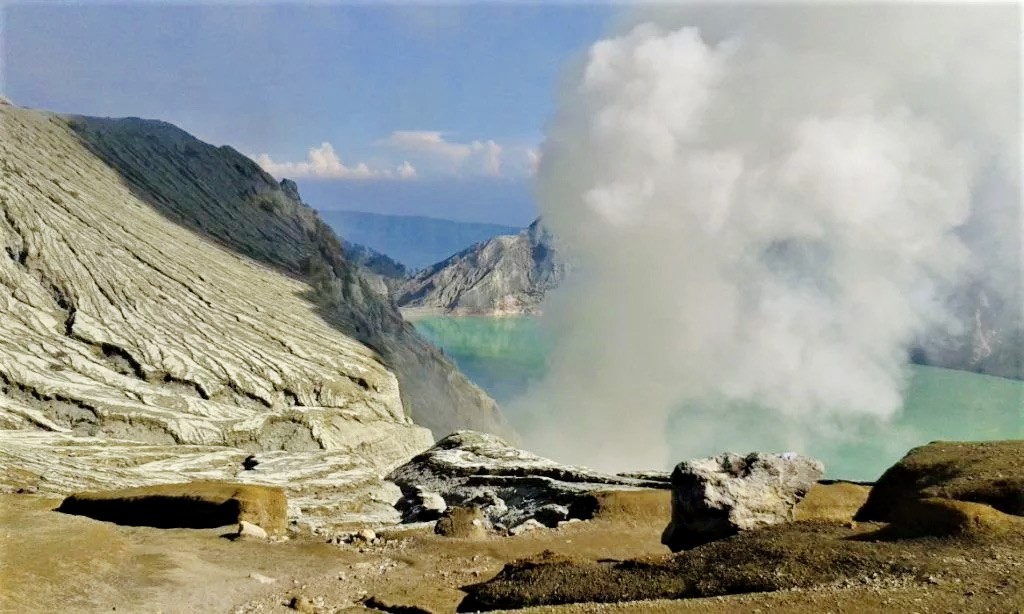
[(55, 562)]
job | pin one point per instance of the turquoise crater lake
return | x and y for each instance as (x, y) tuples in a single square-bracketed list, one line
[(505, 355)]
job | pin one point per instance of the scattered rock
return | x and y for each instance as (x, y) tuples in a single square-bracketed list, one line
[(195, 505), (980, 472), (248, 530), (262, 579), (386, 604), (421, 505), (525, 527), (301, 603), (717, 497), (780, 557), (509, 485), (463, 522), (250, 462)]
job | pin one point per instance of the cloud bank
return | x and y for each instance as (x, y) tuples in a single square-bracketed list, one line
[(475, 157), (766, 207), (323, 163)]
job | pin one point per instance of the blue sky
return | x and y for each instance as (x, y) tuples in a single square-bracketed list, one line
[(398, 108)]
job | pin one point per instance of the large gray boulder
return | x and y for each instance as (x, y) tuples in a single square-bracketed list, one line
[(717, 497), (511, 486)]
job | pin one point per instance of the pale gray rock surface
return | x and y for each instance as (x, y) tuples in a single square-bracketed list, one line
[(226, 199), (717, 497), (505, 275), (248, 530), (509, 485), (421, 505), (166, 308)]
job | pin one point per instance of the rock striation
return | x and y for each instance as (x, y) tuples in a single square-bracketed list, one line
[(505, 275), (717, 497), (510, 486), (167, 309)]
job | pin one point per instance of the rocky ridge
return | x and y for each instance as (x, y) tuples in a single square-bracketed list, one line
[(167, 308), (510, 486), (505, 275)]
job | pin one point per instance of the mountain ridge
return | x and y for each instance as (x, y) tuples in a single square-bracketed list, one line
[(415, 241), (135, 167), (505, 275)]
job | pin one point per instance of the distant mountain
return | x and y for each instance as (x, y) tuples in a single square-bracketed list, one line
[(990, 339), (373, 261), (412, 240), (505, 275)]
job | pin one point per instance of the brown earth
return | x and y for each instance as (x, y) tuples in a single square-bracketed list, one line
[(56, 562), (988, 472)]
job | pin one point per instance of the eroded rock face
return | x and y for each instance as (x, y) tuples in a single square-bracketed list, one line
[(195, 505), (119, 323), (509, 485), (166, 309), (717, 497), (224, 198), (501, 276)]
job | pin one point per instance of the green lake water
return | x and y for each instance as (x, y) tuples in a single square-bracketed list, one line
[(505, 355)]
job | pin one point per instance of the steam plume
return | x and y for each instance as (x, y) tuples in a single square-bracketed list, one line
[(766, 207)]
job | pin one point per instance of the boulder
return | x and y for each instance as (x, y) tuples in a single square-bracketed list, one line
[(509, 485), (421, 505), (713, 498), (195, 505), (980, 472), (248, 530)]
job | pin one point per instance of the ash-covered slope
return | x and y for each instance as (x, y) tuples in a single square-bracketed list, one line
[(504, 275), (161, 290)]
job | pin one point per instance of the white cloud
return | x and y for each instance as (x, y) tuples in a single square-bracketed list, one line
[(532, 160), (406, 171), (323, 163), (476, 157)]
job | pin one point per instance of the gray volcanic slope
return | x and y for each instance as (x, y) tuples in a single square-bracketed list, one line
[(168, 294), (504, 275)]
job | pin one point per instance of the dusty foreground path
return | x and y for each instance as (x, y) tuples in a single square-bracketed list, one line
[(53, 562)]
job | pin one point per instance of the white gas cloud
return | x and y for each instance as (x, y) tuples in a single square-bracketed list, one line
[(323, 163), (765, 207)]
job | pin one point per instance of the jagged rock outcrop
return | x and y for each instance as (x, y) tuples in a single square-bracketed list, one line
[(158, 290), (501, 276), (717, 497), (510, 486)]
